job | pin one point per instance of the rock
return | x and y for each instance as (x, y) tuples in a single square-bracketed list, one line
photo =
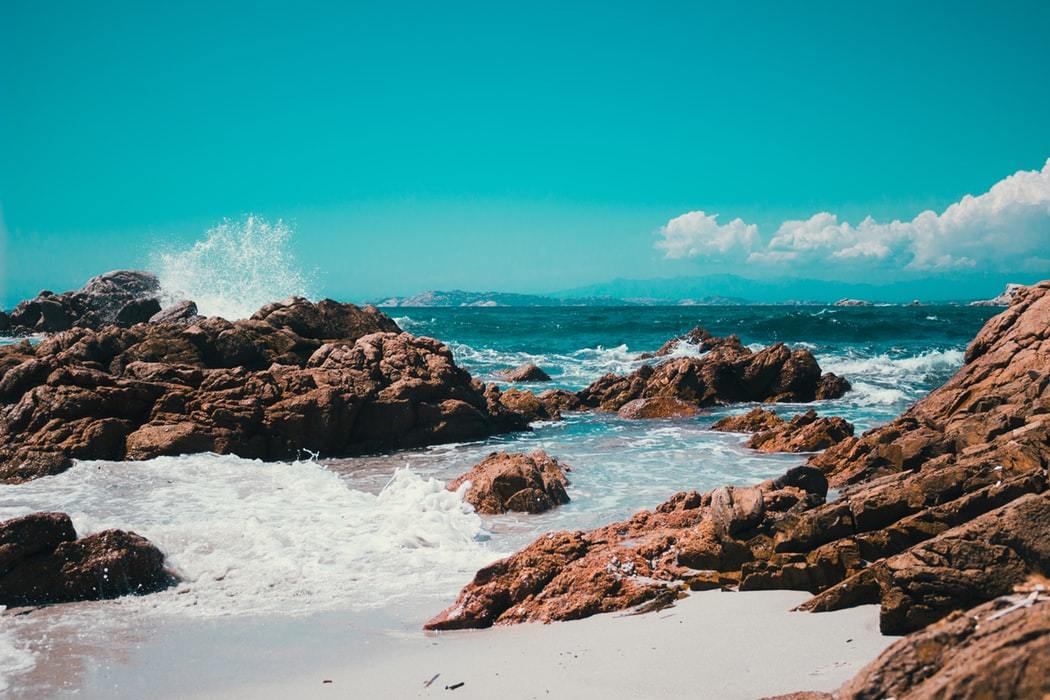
[(1004, 299), (657, 407), (251, 388), (42, 562), (996, 404), (755, 420), (700, 338), (326, 319), (560, 399), (524, 373), (5, 322), (852, 302), (803, 433), (533, 407), (528, 483), (729, 373), (734, 509), (122, 297), (137, 311), (995, 650), (957, 569), (181, 312), (937, 511)]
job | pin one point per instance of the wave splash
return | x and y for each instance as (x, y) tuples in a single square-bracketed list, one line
[(238, 267)]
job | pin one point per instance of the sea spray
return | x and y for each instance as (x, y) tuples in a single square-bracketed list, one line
[(236, 268), (251, 537)]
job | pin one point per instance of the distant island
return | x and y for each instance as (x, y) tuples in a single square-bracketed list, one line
[(704, 291)]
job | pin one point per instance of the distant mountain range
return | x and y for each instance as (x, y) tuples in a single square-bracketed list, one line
[(725, 289)]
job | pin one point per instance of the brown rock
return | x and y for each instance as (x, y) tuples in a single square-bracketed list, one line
[(123, 297), (42, 562), (524, 373), (803, 433), (734, 509), (699, 337), (528, 483), (657, 407), (755, 420), (729, 373), (254, 388)]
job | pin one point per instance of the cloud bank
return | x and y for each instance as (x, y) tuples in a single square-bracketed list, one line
[(1005, 229)]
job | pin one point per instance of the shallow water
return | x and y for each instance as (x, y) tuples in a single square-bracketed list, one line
[(380, 535)]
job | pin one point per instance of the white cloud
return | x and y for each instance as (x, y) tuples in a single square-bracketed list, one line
[(698, 234), (1006, 228)]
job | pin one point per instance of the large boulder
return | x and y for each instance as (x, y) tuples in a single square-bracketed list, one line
[(122, 297), (528, 483), (42, 562), (336, 380), (728, 373), (524, 373)]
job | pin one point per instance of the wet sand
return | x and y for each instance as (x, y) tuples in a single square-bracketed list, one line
[(710, 645)]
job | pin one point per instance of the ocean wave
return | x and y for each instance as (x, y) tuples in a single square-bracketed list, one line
[(248, 537), (882, 380), (238, 267)]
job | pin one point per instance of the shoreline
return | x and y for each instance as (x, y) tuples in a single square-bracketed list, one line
[(711, 644)]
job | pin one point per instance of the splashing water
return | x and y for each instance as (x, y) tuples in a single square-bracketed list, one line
[(238, 267)]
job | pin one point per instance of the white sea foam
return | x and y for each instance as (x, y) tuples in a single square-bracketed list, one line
[(884, 380), (254, 537), (237, 267), (15, 656)]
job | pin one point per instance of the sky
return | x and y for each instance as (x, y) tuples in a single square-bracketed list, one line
[(528, 148)]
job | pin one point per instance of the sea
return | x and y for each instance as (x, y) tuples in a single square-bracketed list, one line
[(379, 537)]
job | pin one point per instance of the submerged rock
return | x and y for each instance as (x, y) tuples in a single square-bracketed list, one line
[(334, 379), (42, 562), (528, 483), (524, 373), (939, 511)]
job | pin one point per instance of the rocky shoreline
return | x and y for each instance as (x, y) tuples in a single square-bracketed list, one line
[(941, 511), (940, 515)]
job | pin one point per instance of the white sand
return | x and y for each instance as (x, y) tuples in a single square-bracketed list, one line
[(710, 645)]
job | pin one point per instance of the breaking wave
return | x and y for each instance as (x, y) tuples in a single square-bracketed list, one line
[(238, 267)]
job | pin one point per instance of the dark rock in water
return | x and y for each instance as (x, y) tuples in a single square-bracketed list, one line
[(252, 388), (533, 407), (803, 433), (528, 483), (5, 322), (560, 399), (657, 407), (700, 338), (137, 311), (524, 373), (121, 297), (42, 562), (941, 510), (755, 420), (182, 312), (729, 373)]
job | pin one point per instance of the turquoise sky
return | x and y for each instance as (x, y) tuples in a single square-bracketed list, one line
[(527, 148)]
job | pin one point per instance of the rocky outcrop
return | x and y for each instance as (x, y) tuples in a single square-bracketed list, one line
[(996, 408), (544, 406), (999, 649), (122, 297), (181, 312), (699, 338), (42, 561), (524, 373), (1003, 299), (527, 483), (728, 373), (328, 378), (852, 302), (657, 407), (803, 433), (939, 511)]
